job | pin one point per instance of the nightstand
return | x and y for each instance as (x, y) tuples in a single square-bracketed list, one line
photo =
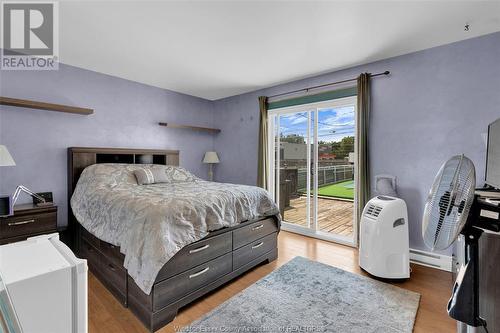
[(28, 220)]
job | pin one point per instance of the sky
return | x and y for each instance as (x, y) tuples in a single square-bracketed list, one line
[(333, 123)]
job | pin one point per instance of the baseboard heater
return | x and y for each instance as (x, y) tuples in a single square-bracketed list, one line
[(430, 259)]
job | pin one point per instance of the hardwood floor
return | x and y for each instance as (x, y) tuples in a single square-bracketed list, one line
[(108, 316), (334, 216)]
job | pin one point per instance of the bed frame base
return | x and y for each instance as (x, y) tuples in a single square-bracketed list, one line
[(156, 320)]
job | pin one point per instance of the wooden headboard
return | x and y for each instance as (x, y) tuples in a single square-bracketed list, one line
[(81, 157)]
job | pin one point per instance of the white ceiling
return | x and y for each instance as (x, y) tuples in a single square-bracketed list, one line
[(218, 49)]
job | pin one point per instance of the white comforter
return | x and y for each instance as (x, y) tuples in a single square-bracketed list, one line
[(151, 223)]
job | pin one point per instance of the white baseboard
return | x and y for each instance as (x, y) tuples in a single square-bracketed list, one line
[(430, 259), (419, 257)]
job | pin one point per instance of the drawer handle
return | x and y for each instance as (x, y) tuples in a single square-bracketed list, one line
[(21, 222), (111, 267), (257, 245), (199, 249), (260, 226), (199, 273)]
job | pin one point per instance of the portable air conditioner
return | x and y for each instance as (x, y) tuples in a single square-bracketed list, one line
[(384, 245)]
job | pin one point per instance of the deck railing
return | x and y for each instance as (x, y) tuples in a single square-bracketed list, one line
[(293, 181), (326, 175)]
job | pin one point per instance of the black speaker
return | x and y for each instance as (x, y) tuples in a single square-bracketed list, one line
[(6, 208)]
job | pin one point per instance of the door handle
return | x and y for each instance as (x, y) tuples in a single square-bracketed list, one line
[(257, 245), (199, 273), (21, 222), (199, 249), (260, 226)]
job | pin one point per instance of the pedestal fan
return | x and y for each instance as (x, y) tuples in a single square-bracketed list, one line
[(452, 208)]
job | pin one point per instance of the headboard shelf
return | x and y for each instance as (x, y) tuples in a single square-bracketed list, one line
[(115, 158), (81, 157)]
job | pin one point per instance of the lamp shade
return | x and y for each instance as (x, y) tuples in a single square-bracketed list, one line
[(211, 157), (5, 157)]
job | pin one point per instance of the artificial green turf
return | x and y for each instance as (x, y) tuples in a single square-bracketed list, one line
[(343, 190)]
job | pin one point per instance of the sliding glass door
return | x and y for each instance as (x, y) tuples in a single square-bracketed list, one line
[(312, 159)]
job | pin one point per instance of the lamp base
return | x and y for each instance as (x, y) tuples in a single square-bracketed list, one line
[(44, 204), (210, 172)]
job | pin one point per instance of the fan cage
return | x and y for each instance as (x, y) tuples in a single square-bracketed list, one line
[(449, 202)]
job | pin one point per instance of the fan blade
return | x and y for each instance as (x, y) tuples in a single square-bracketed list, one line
[(444, 204), (461, 207)]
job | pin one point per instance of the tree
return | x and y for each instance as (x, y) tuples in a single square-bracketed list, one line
[(343, 147), (292, 138)]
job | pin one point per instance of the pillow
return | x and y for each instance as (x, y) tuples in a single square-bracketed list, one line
[(177, 174), (150, 176)]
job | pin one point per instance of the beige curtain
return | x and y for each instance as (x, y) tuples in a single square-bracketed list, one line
[(262, 174), (363, 163)]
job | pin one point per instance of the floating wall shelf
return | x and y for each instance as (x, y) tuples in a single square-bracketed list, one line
[(24, 103), (196, 128)]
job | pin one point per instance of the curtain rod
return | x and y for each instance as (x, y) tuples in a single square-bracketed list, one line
[(327, 84)]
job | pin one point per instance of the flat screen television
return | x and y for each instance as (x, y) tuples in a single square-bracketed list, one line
[(493, 155)]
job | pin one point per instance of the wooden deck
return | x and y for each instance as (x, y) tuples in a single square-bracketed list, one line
[(334, 216)]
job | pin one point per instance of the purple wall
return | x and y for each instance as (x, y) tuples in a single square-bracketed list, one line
[(126, 115), (435, 104)]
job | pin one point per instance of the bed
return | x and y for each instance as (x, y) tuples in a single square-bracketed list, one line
[(210, 233)]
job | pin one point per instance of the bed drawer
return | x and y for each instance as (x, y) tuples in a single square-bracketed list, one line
[(112, 253), (196, 254), (253, 231), (176, 287), (115, 277), (247, 253), (91, 239), (89, 252)]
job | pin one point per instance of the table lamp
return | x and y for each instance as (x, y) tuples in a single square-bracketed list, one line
[(211, 158), (6, 206), (5, 157), (7, 202)]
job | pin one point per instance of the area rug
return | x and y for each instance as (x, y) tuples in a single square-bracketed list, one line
[(307, 296)]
